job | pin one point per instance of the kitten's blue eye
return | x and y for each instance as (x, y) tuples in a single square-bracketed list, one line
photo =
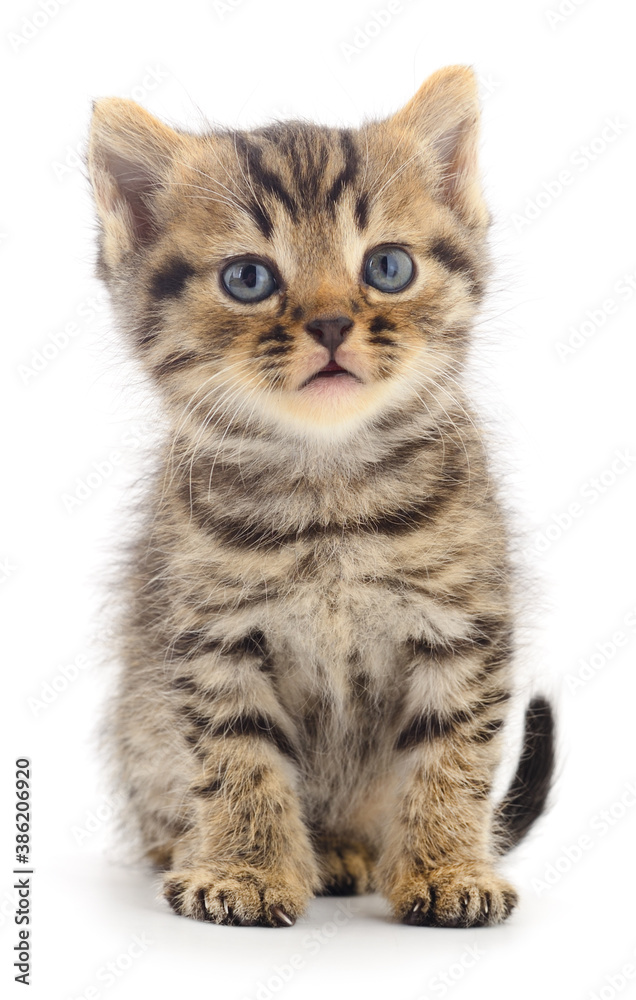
[(389, 269), (248, 280)]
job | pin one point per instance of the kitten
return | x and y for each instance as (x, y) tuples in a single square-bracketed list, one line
[(318, 637)]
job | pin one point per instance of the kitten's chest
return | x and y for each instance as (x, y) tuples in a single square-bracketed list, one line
[(337, 645), (340, 675), (350, 605), (338, 611)]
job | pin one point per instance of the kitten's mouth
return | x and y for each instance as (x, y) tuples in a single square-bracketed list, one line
[(332, 370)]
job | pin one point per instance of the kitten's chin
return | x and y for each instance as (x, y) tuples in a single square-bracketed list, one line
[(328, 409), (332, 386)]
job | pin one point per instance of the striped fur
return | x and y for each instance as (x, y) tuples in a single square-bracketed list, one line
[(318, 631)]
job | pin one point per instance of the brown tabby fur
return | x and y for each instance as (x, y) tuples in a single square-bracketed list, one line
[(318, 632)]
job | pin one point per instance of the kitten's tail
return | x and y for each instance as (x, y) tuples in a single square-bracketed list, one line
[(526, 798)]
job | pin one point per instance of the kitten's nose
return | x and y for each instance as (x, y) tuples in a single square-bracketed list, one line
[(330, 331)]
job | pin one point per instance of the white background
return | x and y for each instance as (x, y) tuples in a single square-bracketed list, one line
[(549, 86)]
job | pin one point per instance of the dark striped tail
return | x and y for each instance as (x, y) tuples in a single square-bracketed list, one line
[(526, 798)]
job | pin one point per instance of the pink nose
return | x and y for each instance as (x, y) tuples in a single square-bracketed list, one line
[(330, 331)]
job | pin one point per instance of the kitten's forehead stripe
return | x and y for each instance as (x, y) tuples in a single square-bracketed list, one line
[(253, 204), (348, 174), (361, 212), (308, 151), (261, 218), (263, 180), (318, 165)]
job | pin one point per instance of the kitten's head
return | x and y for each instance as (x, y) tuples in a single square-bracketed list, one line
[(302, 276)]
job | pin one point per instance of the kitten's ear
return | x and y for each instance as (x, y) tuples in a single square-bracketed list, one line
[(444, 114), (129, 158)]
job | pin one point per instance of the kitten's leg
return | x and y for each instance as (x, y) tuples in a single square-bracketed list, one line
[(437, 864), (247, 857), (161, 856), (346, 866)]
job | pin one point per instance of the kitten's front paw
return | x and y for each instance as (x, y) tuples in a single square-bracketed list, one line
[(467, 894), (244, 896)]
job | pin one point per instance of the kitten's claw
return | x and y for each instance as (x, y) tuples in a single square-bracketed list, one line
[(244, 900), (466, 894), (280, 917), (202, 910)]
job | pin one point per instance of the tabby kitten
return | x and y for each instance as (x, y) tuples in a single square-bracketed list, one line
[(318, 627)]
